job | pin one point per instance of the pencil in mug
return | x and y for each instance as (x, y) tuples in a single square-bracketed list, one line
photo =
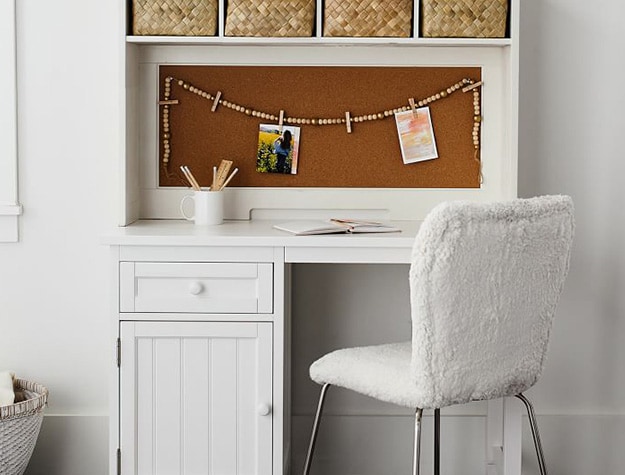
[(196, 185), (214, 183), (189, 179), (234, 172)]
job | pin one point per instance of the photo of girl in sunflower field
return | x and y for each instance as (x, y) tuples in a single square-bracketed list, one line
[(277, 151)]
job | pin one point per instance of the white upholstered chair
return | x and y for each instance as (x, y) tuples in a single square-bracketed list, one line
[(485, 280)]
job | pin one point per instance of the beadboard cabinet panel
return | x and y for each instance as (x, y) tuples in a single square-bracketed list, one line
[(196, 397)]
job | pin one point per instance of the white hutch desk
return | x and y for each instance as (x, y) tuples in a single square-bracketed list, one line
[(203, 316)]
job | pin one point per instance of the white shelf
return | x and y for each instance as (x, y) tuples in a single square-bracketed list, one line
[(315, 41)]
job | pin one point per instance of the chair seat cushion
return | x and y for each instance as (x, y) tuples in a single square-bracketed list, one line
[(381, 371)]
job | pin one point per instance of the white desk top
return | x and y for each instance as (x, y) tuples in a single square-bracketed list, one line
[(366, 248)]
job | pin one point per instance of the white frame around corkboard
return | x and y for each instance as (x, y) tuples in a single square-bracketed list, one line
[(145, 199)]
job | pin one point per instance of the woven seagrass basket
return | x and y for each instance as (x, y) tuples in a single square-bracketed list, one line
[(270, 18), (464, 18), (174, 17), (391, 18), (19, 427)]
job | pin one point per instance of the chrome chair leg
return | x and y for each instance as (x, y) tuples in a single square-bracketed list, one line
[(437, 441), (534, 428), (315, 429), (416, 456)]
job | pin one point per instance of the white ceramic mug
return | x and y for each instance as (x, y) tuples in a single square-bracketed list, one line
[(208, 207)]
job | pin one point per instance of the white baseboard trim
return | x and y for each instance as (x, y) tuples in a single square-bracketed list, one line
[(367, 445)]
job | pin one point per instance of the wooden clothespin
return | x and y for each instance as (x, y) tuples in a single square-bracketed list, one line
[(216, 101), (281, 121), (168, 102), (470, 87), (413, 107), (348, 122)]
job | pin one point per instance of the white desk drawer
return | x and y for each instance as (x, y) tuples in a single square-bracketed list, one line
[(196, 287)]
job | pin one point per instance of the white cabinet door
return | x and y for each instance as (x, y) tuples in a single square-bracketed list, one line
[(196, 398)]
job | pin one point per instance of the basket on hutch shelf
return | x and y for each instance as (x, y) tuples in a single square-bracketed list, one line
[(174, 17), (19, 426), (270, 18), (389, 18), (464, 18)]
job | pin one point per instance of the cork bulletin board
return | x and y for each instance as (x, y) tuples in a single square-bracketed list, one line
[(369, 157)]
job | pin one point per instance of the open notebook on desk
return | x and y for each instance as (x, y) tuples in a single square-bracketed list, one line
[(334, 226)]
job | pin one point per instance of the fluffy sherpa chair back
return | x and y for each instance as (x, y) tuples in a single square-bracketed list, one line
[(485, 280)]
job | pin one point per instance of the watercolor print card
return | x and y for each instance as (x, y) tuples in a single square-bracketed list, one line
[(416, 135)]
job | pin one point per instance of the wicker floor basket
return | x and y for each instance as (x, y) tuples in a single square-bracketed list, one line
[(19, 427), (175, 17), (464, 18), (270, 18), (391, 18)]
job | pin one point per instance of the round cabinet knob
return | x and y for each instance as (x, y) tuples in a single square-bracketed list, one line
[(196, 288), (264, 409)]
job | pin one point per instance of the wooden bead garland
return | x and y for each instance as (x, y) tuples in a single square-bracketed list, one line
[(466, 84), (477, 121), (166, 135)]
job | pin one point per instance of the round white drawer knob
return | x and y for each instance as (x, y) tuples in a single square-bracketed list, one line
[(195, 288), (264, 409)]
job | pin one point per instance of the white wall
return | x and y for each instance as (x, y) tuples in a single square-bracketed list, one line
[(572, 141), (54, 320)]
